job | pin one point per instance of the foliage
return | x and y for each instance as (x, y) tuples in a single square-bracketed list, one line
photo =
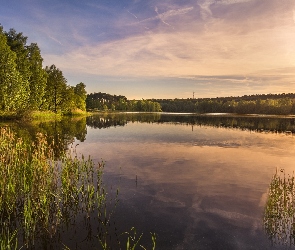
[(13, 87), (283, 104), (80, 96), (38, 78), (103, 101), (24, 83)]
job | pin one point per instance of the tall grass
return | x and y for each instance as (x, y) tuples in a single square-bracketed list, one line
[(43, 115), (279, 214), (39, 193)]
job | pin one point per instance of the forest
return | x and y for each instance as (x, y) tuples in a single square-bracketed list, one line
[(279, 104), (103, 101), (26, 86)]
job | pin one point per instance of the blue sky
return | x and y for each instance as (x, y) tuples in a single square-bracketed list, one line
[(163, 49)]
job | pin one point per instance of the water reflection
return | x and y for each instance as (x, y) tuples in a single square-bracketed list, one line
[(252, 123), (199, 182), (62, 132), (198, 189)]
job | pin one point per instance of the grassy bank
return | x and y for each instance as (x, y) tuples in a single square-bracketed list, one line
[(41, 115), (9, 115)]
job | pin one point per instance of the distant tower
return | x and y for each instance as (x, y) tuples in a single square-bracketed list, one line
[(193, 95)]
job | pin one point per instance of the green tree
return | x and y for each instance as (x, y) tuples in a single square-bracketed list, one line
[(13, 88), (38, 77), (80, 96), (56, 88), (17, 43)]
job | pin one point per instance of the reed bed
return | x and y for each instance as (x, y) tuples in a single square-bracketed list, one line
[(39, 194), (279, 214)]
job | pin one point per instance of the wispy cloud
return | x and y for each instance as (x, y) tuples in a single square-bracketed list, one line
[(54, 39), (227, 2), (165, 15), (185, 53), (132, 14), (205, 10)]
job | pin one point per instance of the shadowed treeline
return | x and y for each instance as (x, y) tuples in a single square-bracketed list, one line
[(279, 104)]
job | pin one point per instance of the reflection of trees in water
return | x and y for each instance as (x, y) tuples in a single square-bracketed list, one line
[(61, 132), (260, 124), (279, 214), (104, 122), (120, 119)]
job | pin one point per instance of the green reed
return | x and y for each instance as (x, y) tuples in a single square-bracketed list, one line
[(279, 214), (39, 193)]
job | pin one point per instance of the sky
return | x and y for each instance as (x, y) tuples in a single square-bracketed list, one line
[(163, 49)]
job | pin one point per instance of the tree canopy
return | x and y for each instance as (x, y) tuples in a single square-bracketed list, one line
[(104, 101), (26, 86)]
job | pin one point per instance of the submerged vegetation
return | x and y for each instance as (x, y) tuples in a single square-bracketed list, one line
[(42, 197)]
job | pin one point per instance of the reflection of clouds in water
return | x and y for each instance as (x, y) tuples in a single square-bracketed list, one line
[(211, 220), (224, 144), (161, 198), (229, 214)]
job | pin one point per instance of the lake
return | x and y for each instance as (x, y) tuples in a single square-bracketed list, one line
[(197, 182)]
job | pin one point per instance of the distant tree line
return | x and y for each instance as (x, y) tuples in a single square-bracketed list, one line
[(281, 104), (105, 102), (26, 86)]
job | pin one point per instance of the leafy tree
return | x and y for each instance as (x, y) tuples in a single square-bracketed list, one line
[(13, 88), (17, 43), (56, 89), (38, 77), (80, 96)]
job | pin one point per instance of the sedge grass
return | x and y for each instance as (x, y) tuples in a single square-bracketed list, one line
[(38, 193), (279, 214)]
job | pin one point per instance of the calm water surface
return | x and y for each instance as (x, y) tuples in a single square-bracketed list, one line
[(196, 186)]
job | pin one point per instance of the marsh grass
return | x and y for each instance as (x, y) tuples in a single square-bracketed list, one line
[(279, 214), (39, 194), (42, 198)]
